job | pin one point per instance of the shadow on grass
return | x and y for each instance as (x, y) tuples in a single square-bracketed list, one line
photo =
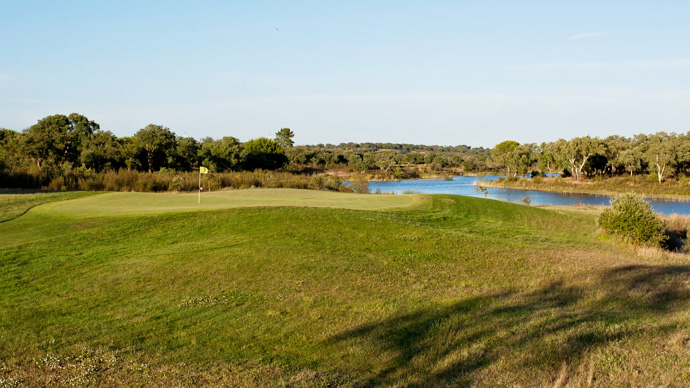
[(532, 332)]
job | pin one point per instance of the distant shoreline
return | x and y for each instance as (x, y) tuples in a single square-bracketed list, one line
[(595, 188)]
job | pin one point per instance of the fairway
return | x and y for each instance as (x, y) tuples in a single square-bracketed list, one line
[(291, 288), (141, 203)]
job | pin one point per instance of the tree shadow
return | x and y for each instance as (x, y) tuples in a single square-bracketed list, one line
[(538, 330)]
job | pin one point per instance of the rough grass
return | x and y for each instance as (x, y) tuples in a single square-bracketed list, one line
[(460, 292), (164, 180)]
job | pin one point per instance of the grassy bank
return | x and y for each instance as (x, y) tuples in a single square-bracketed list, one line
[(435, 291), (14, 203), (670, 189)]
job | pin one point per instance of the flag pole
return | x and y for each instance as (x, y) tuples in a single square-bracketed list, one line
[(199, 185)]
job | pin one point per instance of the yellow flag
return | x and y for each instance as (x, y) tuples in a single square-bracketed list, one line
[(203, 170)]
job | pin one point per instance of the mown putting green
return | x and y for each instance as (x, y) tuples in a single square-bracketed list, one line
[(140, 203), (141, 290)]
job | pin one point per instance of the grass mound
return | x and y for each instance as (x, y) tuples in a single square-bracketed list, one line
[(17, 202), (141, 203), (453, 292)]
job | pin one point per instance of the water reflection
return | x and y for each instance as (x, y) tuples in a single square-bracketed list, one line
[(463, 185)]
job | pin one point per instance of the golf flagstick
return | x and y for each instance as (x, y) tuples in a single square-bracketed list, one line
[(202, 170)]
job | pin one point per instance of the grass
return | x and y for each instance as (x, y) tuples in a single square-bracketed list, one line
[(17, 202), (139, 203), (444, 291)]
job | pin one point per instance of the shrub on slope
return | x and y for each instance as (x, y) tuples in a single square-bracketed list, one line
[(632, 218)]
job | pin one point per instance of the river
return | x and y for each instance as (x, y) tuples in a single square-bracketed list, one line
[(464, 185)]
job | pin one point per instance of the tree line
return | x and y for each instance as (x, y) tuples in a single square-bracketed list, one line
[(660, 155), (59, 143)]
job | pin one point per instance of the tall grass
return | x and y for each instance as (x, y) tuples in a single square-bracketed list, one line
[(166, 180), (677, 227), (621, 184)]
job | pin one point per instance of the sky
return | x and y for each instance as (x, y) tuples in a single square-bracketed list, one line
[(436, 72)]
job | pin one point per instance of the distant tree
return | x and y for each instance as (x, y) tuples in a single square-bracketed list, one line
[(264, 153), (546, 158), (470, 164), (222, 155), (504, 157), (661, 152), (370, 160), (597, 164), (631, 159), (297, 156), (132, 153), (682, 153), (158, 143), (10, 148), (523, 157), (186, 154), (577, 152), (414, 158), (355, 161), (101, 151), (284, 138), (614, 147), (58, 139), (385, 160)]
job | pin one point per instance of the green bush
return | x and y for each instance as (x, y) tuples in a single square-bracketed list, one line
[(652, 177), (175, 184), (632, 218), (359, 185)]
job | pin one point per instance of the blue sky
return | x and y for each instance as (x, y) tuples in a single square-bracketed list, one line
[(446, 72)]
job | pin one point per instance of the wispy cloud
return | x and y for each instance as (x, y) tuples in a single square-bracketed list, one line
[(669, 64), (586, 35)]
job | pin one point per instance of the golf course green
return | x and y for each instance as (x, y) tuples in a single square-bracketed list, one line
[(139, 203), (296, 288)]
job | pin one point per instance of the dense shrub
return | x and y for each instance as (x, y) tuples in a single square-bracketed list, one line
[(360, 186), (264, 153), (677, 228), (632, 218)]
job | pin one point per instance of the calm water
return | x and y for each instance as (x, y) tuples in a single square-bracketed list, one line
[(462, 185)]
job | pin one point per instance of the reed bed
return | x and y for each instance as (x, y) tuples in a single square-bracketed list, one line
[(168, 180)]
